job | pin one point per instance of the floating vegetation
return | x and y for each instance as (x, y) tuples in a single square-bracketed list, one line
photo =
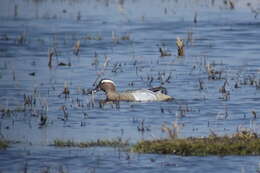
[(3, 144), (244, 142), (98, 143)]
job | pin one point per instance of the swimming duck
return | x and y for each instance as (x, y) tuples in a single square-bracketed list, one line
[(152, 94)]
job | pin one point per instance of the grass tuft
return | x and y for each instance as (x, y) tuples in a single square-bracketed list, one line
[(241, 143)]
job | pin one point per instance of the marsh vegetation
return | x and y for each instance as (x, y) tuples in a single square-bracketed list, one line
[(240, 143)]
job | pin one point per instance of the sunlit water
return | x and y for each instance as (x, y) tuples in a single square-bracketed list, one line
[(228, 38)]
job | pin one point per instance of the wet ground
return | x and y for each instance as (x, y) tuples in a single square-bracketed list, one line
[(120, 40)]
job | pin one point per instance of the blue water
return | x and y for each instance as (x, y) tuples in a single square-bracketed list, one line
[(222, 36)]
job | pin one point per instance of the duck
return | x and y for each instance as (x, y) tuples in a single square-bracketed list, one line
[(140, 95)]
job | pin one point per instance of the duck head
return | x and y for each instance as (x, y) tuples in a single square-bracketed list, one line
[(106, 85)]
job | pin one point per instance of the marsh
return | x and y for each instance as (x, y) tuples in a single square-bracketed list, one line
[(53, 50)]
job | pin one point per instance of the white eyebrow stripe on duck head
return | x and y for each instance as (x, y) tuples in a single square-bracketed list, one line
[(108, 81)]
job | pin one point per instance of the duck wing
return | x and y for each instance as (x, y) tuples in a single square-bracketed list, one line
[(144, 95), (159, 89)]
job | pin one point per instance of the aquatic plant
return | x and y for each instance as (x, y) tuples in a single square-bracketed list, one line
[(15, 10), (116, 38), (66, 91), (163, 50), (65, 112), (254, 10), (8, 111), (213, 74), (21, 39), (51, 53), (96, 37), (126, 36), (76, 48), (241, 143), (195, 20), (230, 4), (189, 37), (3, 144), (98, 143), (142, 128), (180, 46), (43, 121), (173, 131), (4, 37)]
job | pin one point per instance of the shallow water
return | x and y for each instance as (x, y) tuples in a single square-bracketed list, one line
[(227, 38)]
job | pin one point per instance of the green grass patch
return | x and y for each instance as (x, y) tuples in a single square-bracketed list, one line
[(3, 144), (98, 143), (241, 143)]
